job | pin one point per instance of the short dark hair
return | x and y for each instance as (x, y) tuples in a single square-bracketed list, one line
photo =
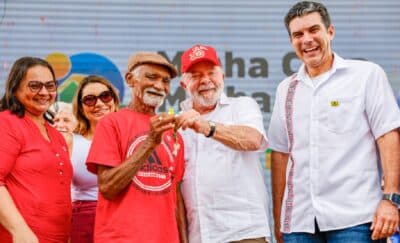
[(83, 125), (306, 7), (17, 73)]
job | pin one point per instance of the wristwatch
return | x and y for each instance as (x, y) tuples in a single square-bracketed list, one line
[(212, 129), (393, 198)]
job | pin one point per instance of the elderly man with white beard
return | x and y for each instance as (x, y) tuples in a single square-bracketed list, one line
[(223, 185), (137, 164)]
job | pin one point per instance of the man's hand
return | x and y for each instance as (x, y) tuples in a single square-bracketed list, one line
[(192, 119), (158, 125), (385, 221)]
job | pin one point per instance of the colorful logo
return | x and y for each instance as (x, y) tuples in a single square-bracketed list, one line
[(71, 70)]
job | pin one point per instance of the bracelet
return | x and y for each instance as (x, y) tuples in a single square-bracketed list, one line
[(212, 129)]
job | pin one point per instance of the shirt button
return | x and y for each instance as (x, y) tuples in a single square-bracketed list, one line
[(61, 164), (57, 155), (60, 172)]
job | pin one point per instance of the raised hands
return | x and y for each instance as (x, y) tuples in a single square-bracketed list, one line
[(193, 120), (159, 124)]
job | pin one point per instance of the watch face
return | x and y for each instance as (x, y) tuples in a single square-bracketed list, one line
[(396, 198)]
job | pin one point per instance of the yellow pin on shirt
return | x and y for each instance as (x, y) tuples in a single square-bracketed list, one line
[(334, 103), (171, 111)]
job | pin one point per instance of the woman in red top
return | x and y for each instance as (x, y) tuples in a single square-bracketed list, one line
[(35, 170)]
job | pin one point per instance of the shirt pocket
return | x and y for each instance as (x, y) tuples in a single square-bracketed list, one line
[(342, 113)]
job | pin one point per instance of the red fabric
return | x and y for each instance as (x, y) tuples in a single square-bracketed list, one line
[(83, 215), (145, 211), (198, 53), (37, 174)]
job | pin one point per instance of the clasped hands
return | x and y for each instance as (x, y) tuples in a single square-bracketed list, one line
[(188, 119)]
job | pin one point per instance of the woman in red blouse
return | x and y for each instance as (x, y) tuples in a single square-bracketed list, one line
[(35, 170)]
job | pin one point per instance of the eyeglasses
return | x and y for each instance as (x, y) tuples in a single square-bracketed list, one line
[(36, 86), (105, 97)]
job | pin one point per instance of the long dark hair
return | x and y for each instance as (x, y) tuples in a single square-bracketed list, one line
[(18, 71)]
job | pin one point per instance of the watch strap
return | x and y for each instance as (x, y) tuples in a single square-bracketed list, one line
[(212, 129), (392, 197)]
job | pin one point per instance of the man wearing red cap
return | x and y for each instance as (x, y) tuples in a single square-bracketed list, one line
[(137, 167), (223, 185)]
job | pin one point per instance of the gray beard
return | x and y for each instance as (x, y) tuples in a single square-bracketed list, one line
[(203, 102)]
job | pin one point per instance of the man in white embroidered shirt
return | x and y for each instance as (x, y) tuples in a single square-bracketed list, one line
[(223, 185), (332, 124)]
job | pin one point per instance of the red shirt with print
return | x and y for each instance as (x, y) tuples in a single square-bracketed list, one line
[(145, 210)]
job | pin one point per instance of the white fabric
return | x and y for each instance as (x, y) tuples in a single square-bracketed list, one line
[(336, 123), (398, 98), (224, 189), (84, 183), (316, 80)]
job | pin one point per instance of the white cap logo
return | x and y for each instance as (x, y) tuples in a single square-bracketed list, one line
[(197, 52)]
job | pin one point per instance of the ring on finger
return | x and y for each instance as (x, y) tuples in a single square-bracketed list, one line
[(160, 118)]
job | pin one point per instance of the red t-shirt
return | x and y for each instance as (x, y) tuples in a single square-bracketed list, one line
[(145, 211), (37, 174)]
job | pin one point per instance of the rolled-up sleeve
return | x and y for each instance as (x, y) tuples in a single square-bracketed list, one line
[(249, 114)]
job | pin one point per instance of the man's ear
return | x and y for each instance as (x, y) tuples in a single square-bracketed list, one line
[(185, 79), (129, 79), (331, 32), (183, 85)]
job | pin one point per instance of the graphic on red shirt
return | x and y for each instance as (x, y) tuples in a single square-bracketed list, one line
[(154, 176), (146, 210)]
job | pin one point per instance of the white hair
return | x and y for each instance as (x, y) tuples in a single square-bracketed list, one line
[(61, 106), (136, 71)]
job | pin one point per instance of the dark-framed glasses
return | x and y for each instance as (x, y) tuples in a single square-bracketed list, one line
[(36, 86), (105, 97)]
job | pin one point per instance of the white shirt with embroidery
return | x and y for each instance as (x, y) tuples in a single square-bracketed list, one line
[(224, 189), (335, 125)]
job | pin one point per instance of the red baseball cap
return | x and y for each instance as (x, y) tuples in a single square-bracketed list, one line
[(198, 53)]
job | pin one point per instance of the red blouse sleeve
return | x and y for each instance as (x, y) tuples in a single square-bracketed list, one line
[(10, 145)]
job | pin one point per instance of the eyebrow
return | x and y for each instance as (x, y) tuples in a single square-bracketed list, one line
[(42, 81), (150, 73), (316, 26)]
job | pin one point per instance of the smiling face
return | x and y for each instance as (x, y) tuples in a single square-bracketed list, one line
[(64, 121), (151, 85), (206, 84), (311, 41), (99, 109), (36, 102)]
